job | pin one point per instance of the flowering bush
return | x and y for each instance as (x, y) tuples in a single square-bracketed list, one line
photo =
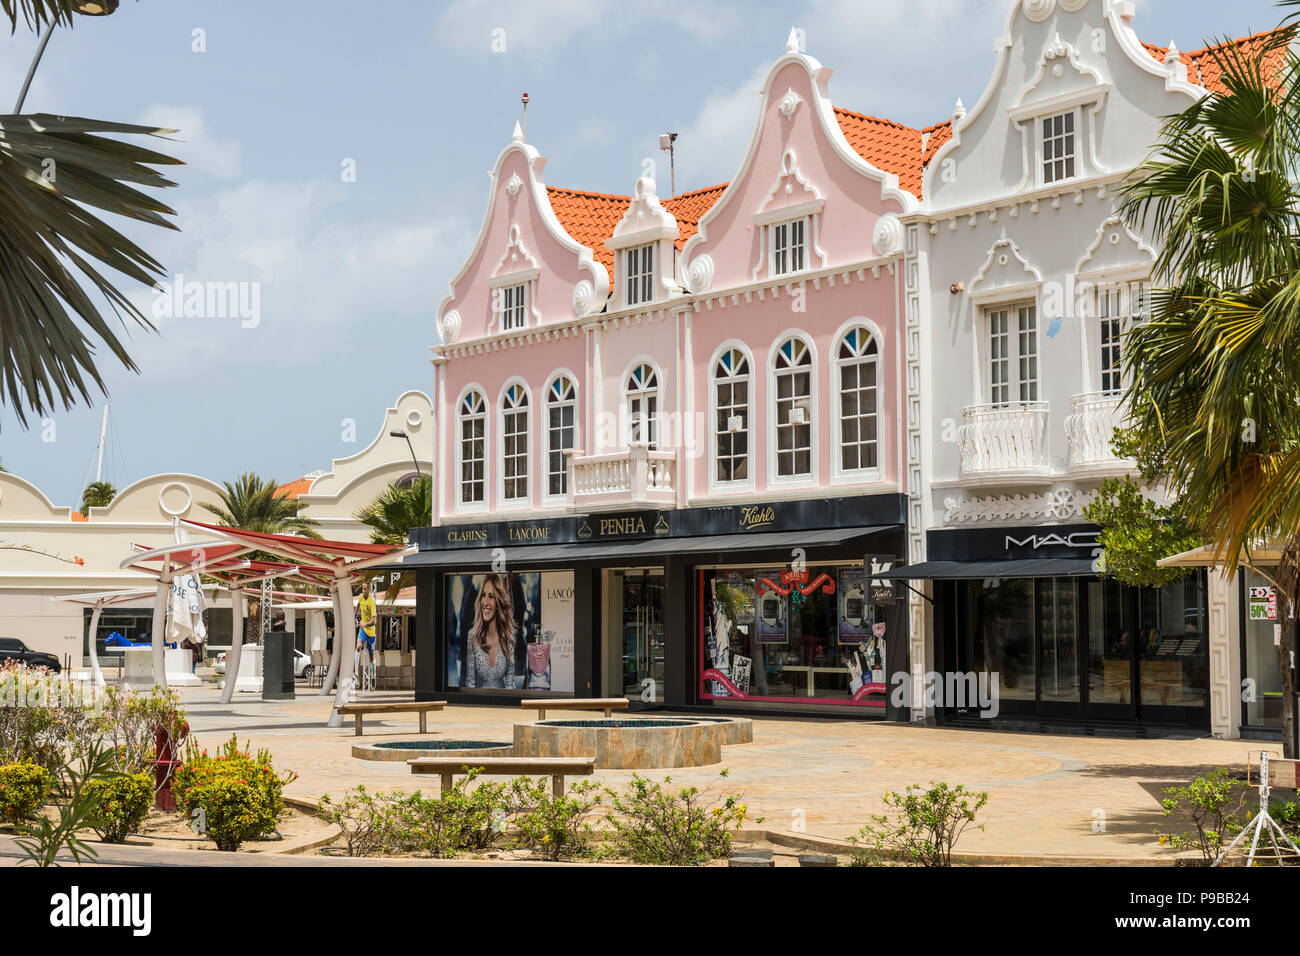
[(23, 787), (556, 827), (686, 828), (44, 717), (237, 797), (123, 804)]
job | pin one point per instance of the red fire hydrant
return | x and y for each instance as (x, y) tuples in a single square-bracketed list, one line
[(164, 766)]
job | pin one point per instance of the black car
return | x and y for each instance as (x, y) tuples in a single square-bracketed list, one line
[(12, 649)]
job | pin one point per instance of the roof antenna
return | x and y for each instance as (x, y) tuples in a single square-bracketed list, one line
[(666, 141), (524, 100)]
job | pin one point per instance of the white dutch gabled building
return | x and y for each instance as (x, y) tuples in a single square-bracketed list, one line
[(1020, 280)]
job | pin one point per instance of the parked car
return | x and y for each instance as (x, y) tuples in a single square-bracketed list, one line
[(301, 664), (12, 649)]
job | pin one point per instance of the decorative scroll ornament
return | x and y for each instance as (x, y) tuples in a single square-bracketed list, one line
[(699, 274), (888, 235), (789, 103), (1039, 10), (449, 327), (513, 185), (1059, 504), (584, 298)]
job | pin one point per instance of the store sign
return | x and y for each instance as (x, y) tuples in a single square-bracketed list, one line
[(873, 510), (1263, 604), (883, 592)]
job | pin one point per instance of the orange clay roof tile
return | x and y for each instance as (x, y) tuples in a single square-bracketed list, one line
[(1202, 67), (293, 489)]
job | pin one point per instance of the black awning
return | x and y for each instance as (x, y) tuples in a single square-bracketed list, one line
[(735, 544), (982, 570)]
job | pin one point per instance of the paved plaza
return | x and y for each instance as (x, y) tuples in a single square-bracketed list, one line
[(1094, 798)]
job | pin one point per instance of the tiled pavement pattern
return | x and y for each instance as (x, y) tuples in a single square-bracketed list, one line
[(1045, 791)]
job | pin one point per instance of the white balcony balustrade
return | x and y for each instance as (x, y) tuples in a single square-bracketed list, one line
[(1001, 442), (1090, 427), (636, 475)]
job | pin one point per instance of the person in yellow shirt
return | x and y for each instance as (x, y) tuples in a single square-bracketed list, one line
[(366, 615)]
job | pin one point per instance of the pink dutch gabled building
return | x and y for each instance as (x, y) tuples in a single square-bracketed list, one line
[(670, 430)]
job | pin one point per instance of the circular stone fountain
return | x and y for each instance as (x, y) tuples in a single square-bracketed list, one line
[(625, 743), (735, 730), (409, 749)]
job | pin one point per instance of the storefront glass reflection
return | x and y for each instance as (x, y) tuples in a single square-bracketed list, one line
[(777, 634)]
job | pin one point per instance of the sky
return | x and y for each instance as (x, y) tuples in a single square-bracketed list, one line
[(337, 157)]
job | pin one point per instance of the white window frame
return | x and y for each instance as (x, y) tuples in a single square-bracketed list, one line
[(775, 477), (461, 505), (636, 413), (1016, 357), (518, 501), (716, 482), (1074, 157), (784, 230), (639, 274), (549, 403), (1128, 299), (870, 353)]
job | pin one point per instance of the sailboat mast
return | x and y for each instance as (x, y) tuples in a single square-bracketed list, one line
[(103, 431)]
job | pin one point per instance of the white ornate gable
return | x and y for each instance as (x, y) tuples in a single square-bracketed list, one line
[(1005, 272), (1060, 74), (515, 259), (645, 219), (1116, 250), (791, 194)]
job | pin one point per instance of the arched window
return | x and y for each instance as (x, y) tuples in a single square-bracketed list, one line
[(561, 416), (473, 422), (514, 443), (793, 418), (731, 415), (642, 391), (857, 371)]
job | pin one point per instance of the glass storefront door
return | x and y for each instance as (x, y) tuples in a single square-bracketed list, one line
[(634, 634), (1262, 690), (1110, 652)]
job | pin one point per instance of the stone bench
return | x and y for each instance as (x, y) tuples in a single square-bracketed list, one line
[(607, 704), (358, 711), (557, 768)]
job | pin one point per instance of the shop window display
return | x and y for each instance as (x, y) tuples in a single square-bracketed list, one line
[(781, 634)]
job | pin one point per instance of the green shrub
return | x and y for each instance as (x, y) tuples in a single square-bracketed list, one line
[(461, 819), (686, 828), (373, 824), (1212, 806), (556, 827), (44, 717), (23, 788), (123, 804), (925, 825), (233, 797)]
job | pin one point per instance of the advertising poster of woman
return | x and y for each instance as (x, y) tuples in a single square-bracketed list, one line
[(495, 634)]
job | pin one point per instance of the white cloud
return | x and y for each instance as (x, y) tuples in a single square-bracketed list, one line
[(193, 143), (326, 282), (713, 146)]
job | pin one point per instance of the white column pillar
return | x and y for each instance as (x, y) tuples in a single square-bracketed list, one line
[(1223, 594), (237, 608), (346, 654), (96, 677), (159, 635), (335, 653)]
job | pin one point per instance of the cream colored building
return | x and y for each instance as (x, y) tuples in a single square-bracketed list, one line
[(47, 550)]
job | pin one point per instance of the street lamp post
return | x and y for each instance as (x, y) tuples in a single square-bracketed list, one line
[(398, 433), (87, 8)]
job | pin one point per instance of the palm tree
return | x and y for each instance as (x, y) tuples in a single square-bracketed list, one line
[(252, 504), (1214, 370), (393, 514), (55, 171), (98, 494)]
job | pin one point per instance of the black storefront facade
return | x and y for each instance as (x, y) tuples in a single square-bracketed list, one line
[(1027, 609), (765, 607)]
